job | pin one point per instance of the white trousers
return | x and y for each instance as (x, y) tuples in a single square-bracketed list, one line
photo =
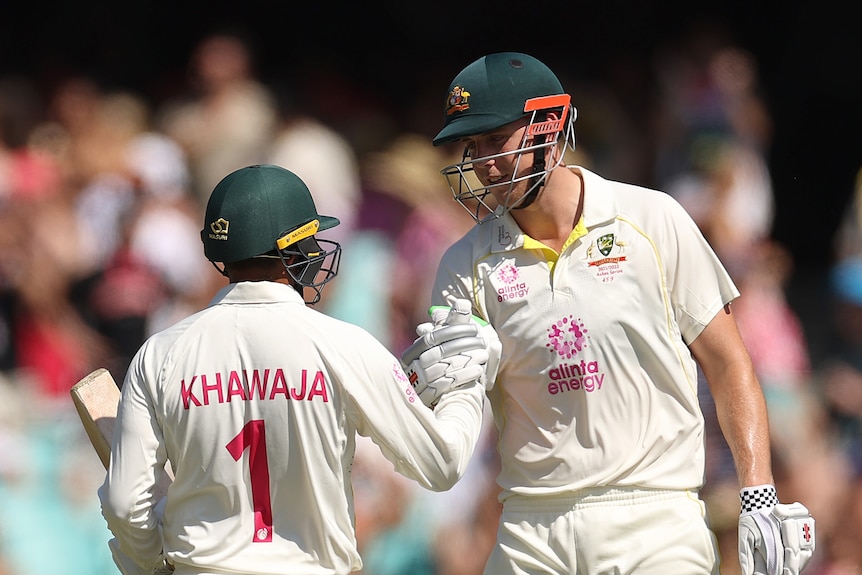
[(605, 531)]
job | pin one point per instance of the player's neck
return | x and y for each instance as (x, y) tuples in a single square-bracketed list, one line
[(556, 211)]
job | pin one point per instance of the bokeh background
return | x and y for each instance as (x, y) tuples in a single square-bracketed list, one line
[(116, 119)]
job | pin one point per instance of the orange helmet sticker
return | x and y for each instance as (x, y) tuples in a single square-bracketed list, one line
[(544, 103)]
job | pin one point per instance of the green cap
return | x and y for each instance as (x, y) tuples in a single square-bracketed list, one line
[(252, 208), (491, 92)]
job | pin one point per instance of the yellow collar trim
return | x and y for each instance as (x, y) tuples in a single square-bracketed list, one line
[(551, 255)]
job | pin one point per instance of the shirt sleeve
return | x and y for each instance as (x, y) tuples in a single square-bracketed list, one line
[(698, 282), (127, 495), (431, 447)]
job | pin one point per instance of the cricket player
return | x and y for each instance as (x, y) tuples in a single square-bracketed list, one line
[(606, 298), (256, 401)]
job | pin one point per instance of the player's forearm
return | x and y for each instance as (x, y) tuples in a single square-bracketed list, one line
[(742, 415), (739, 402)]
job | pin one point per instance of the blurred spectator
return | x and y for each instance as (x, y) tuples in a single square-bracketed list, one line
[(39, 256), (114, 290), (28, 167), (839, 382), (227, 117), (464, 520), (105, 194), (424, 219), (727, 189), (324, 159), (713, 131), (841, 374), (48, 477), (75, 120), (392, 532), (848, 236), (164, 231)]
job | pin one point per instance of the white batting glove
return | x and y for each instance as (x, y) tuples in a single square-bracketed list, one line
[(459, 313), (444, 357), (774, 538)]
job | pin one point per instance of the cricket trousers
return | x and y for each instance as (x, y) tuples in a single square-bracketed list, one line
[(605, 531)]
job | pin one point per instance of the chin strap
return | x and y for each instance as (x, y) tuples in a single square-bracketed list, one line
[(539, 128), (537, 181)]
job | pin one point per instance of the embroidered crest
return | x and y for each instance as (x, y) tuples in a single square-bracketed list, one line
[(605, 244), (457, 100)]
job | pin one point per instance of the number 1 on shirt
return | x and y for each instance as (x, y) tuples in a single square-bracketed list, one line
[(253, 437)]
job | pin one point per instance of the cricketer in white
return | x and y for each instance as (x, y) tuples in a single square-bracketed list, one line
[(580, 349), (607, 299), (255, 402), (310, 441)]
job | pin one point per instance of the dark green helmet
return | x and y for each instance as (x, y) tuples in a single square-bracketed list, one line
[(253, 211), (492, 91)]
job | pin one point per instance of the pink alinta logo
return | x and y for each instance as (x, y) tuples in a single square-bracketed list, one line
[(567, 337), (508, 274), (511, 288)]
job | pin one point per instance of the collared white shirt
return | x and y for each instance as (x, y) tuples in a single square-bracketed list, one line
[(597, 386), (256, 402)]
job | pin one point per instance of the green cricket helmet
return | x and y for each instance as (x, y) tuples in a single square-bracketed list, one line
[(267, 211), (496, 90)]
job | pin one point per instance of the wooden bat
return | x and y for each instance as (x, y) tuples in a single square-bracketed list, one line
[(96, 398)]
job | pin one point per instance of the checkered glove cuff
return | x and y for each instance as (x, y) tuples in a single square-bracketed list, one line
[(758, 497)]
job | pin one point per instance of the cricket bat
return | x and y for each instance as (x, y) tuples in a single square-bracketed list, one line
[(96, 398)]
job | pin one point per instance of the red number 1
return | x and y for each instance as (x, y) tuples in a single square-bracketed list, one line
[(253, 436)]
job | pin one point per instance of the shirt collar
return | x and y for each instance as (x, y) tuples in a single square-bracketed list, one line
[(256, 292), (599, 208)]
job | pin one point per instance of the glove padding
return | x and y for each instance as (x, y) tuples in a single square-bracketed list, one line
[(459, 313), (775, 538), (445, 356)]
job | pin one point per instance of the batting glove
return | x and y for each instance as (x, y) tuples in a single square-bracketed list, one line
[(459, 313), (444, 357), (774, 538)]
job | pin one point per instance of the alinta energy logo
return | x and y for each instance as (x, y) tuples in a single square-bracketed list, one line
[(508, 275), (567, 337)]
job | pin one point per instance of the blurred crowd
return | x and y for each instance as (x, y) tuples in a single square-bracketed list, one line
[(101, 198)]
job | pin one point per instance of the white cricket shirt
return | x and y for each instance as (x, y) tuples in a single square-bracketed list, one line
[(597, 386), (256, 402)]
